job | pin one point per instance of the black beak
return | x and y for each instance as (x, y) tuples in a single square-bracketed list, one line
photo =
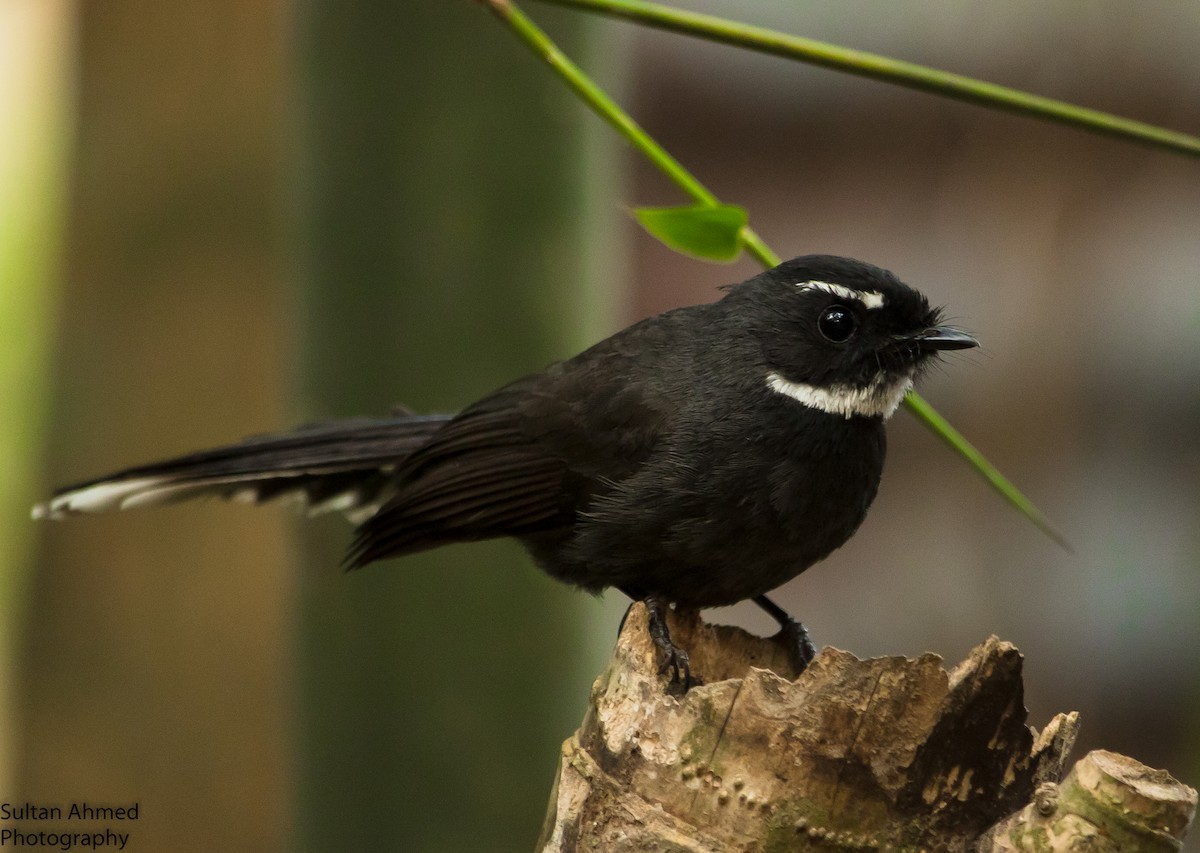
[(943, 338)]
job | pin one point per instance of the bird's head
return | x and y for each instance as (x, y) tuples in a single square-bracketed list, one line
[(843, 336)]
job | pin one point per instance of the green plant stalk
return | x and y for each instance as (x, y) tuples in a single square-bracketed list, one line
[(607, 109), (895, 71), (543, 47), (918, 406)]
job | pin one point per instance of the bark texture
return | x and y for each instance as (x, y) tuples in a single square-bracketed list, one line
[(1108, 803), (882, 754)]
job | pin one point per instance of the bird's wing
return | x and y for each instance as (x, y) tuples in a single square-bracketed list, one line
[(344, 466), (523, 460), (482, 476)]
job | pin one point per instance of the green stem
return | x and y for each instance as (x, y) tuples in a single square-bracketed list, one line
[(604, 106), (942, 428), (595, 97), (889, 70)]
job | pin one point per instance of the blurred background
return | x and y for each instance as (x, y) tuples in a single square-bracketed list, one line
[(226, 218)]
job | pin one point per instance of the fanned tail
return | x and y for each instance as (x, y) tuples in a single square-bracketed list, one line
[(342, 466)]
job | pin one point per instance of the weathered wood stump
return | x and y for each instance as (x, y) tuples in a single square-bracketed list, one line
[(883, 754)]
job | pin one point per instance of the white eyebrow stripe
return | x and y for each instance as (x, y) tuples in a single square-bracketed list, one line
[(869, 298), (880, 399)]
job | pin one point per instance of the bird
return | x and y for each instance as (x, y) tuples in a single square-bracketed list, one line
[(698, 458)]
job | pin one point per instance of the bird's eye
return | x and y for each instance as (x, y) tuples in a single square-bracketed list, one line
[(836, 323)]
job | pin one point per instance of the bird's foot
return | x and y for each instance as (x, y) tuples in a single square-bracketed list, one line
[(793, 636), (677, 661)]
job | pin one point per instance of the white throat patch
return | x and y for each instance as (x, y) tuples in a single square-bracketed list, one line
[(879, 399), (869, 298)]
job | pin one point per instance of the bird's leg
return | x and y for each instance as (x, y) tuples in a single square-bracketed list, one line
[(792, 634), (677, 659)]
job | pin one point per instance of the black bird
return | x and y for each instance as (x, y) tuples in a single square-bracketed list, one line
[(698, 458)]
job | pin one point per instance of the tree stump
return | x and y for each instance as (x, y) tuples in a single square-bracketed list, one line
[(882, 754)]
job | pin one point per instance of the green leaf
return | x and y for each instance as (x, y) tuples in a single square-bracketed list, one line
[(712, 232)]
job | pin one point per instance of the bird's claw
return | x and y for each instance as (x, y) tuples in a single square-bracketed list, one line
[(680, 667), (793, 636), (677, 662)]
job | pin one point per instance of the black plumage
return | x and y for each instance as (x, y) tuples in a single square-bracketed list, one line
[(700, 457)]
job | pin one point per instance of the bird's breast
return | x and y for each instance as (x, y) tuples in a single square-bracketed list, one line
[(779, 509), (725, 508)]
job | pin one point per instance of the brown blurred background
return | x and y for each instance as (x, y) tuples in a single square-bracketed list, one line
[(226, 218)]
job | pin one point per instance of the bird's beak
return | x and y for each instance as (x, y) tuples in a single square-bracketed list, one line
[(943, 338)]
